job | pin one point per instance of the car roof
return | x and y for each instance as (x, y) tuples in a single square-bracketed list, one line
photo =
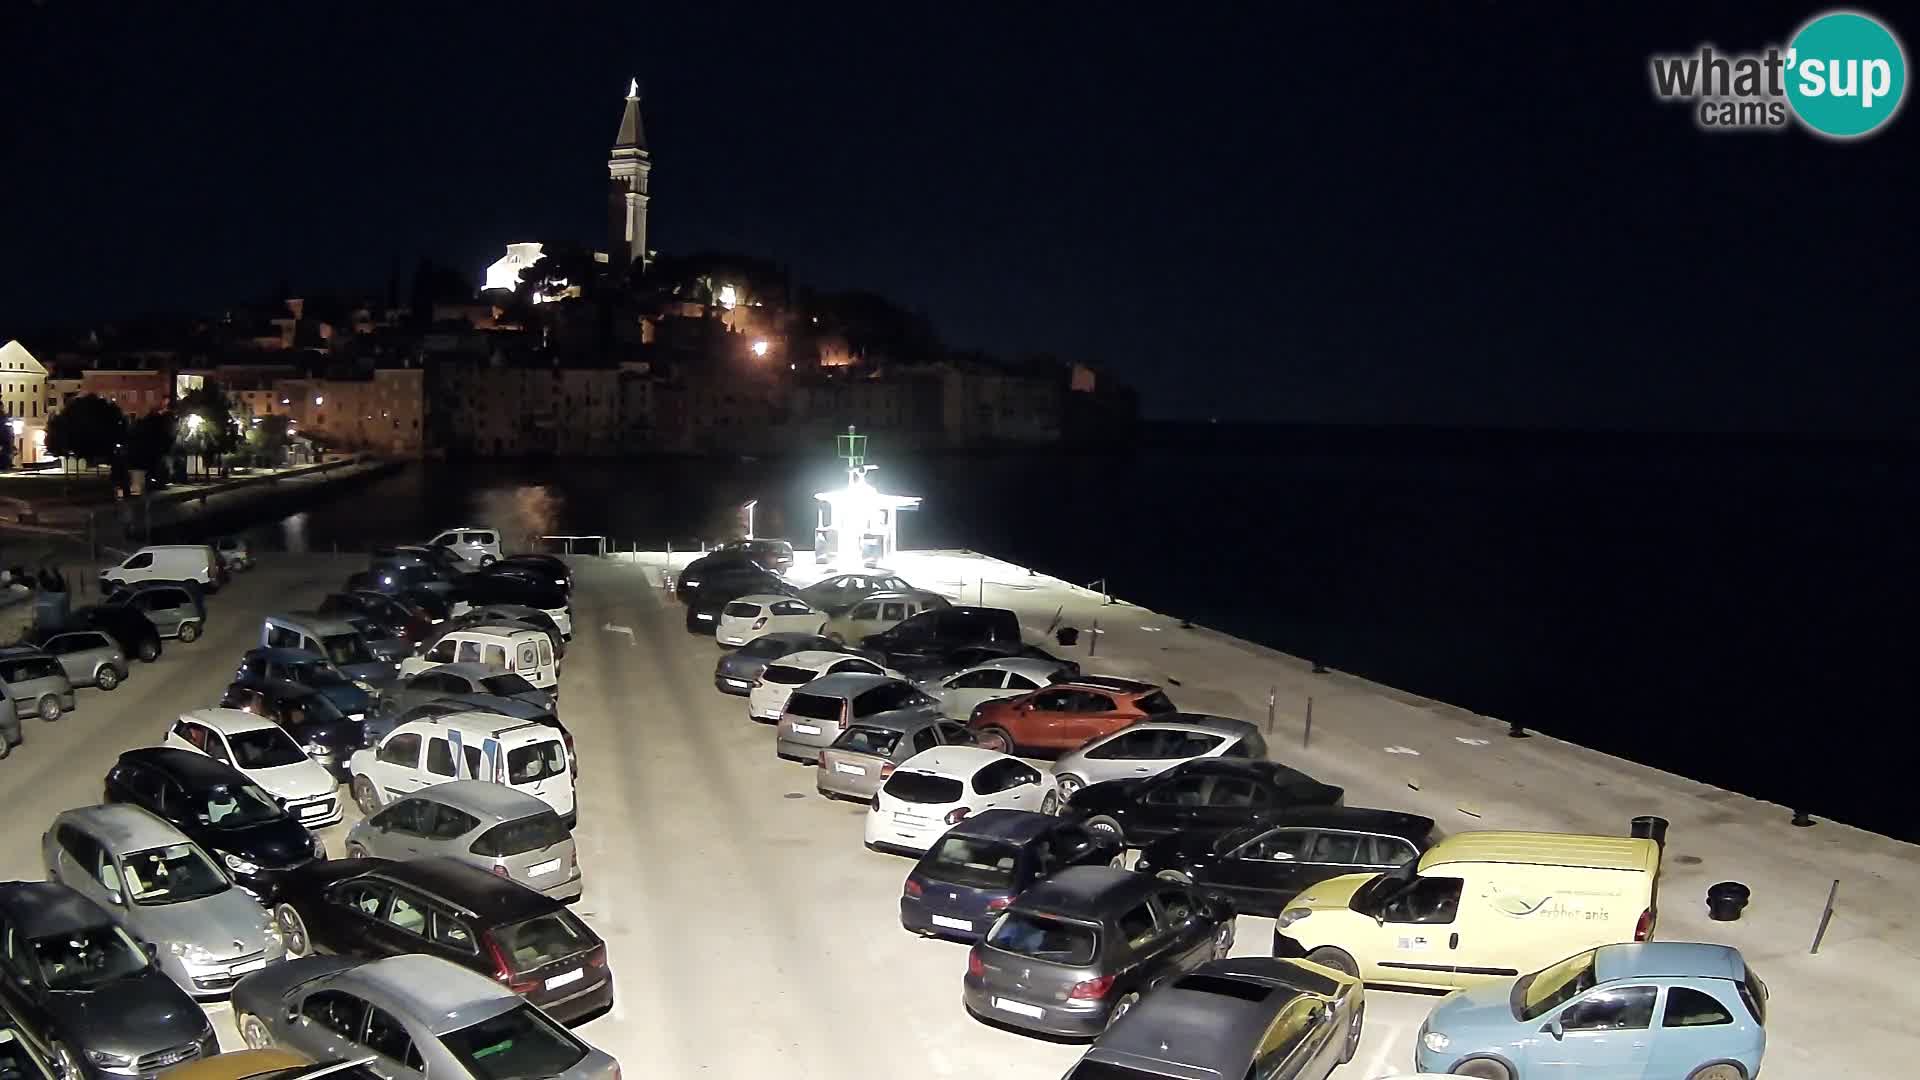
[(313, 620), (1003, 823), (122, 826), (1107, 682), (1357, 818), (493, 898), (190, 767), (1198, 722), (763, 599), (472, 669), (813, 659), (953, 760), (1023, 665), (228, 721), (843, 684), (1215, 1017), (493, 703), (481, 720), (1086, 890), (1545, 849), (1668, 959), (444, 994), (38, 908), (282, 653), (897, 594), (484, 799)]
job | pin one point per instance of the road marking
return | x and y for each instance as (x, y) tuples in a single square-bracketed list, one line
[(1402, 750), (1462, 739), (627, 630)]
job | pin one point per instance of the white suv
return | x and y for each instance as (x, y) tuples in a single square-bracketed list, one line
[(527, 757)]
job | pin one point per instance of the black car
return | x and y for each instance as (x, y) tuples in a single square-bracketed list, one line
[(1262, 867), (328, 735), (1082, 947), (18, 1058), (549, 567), (397, 617), (217, 807), (970, 875), (924, 641), (533, 591), (135, 633), (708, 568), (84, 996), (705, 603), (373, 908), (1206, 795), (735, 671), (775, 555)]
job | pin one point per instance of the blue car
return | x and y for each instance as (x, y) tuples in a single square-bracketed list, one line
[(970, 875), (1619, 1012)]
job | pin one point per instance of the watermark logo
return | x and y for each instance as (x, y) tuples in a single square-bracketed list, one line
[(1843, 75)]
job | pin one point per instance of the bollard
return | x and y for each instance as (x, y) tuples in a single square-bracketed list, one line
[(1651, 828), (1515, 731), (1093, 639), (1272, 691), (983, 592), (1319, 668), (1306, 733), (1727, 900), (1825, 917), (1802, 819)]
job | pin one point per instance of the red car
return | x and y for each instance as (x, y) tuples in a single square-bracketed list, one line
[(1067, 714)]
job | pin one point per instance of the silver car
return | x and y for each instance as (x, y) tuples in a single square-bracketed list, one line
[(1151, 747), (417, 1015), (490, 826), (173, 611), (963, 692), (820, 711), (89, 657), (859, 760), (35, 683), (166, 892)]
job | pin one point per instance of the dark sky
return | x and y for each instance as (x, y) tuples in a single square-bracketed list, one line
[(1465, 213)]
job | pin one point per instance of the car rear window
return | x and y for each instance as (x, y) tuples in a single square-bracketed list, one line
[(1155, 704), (814, 707), (787, 675), (33, 667), (888, 697), (741, 611), (1754, 993), (516, 1043), (1041, 938), (919, 787), (505, 685), (541, 830), (536, 761), (1089, 1069), (861, 739), (977, 864), (543, 939)]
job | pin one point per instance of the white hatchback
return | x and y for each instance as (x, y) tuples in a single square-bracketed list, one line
[(264, 753), (936, 789), (961, 693), (778, 680), (767, 613)]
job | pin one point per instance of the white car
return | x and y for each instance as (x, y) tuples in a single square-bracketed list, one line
[(778, 680), (264, 753), (474, 545), (961, 693), (936, 789), (528, 757), (751, 616), (1151, 747)]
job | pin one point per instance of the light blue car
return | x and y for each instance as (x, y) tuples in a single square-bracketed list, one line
[(1620, 1012)]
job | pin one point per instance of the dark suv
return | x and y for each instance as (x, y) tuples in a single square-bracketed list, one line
[(1078, 950), (925, 640)]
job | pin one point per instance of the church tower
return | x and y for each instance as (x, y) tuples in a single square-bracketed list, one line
[(627, 173)]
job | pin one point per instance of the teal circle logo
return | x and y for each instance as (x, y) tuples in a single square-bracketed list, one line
[(1846, 74)]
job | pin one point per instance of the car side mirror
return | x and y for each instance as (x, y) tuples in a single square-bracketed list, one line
[(153, 951), (1553, 1028)]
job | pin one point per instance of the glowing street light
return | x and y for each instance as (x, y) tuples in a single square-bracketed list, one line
[(318, 400), (760, 348), (194, 422)]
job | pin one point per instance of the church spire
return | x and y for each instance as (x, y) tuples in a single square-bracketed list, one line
[(627, 170), (632, 135)]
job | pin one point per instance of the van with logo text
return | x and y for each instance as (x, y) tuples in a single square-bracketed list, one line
[(527, 756), (1477, 906)]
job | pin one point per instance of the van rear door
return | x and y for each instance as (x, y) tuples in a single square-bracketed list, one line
[(537, 765)]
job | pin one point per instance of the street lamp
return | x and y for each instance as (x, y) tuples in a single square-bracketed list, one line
[(318, 400), (760, 348)]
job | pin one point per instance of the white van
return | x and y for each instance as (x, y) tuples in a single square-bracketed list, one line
[(166, 562), (525, 651), (1478, 906), (474, 544), (526, 756)]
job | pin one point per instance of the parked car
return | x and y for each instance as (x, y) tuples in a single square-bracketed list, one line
[(707, 568), (1151, 747), (129, 627), (168, 563), (414, 581), (938, 789), (497, 829), (217, 807), (775, 555), (1081, 948), (19, 1060), (970, 875), (268, 1065), (387, 645), (1262, 867), (819, 712), (452, 910), (528, 757), (867, 753), (400, 618), (333, 637), (511, 708), (705, 604), (926, 640), (33, 683), (749, 617), (1245, 1017), (880, 612), (962, 694), (836, 594), (1206, 795), (522, 587), (468, 678), (553, 566), (1068, 715), (516, 614), (264, 753), (291, 667), (412, 1012), (511, 649), (164, 890), (1656, 1009), (85, 996), (234, 553), (736, 671), (174, 610), (767, 699), (328, 735), (933, 670), (475, 545), (89, 657)]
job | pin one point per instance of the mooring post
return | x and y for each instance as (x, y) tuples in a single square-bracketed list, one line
[(1272, 696), (1825, 917), (1306, 733), (1093, 639), (983, 592)]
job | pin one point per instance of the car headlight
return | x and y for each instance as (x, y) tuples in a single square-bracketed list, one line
[(108, 1060), (1290, 916), (315, 750), (237, 864), (364, 685), (192, 953), (1435, 1041)]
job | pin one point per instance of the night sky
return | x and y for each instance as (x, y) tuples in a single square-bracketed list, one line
[(1463, 213)]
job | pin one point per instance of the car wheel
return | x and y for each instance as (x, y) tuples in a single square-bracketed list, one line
[(1483, 1069), (106, 678), (49, 708), (189, 632), (995, 739), (1338, 960), (365, 796), (355, 851), (253, 1032), (1175, 876), (1719, 1070), (486, 561), (1353, 1035), (6, 747), (1122, 1007), (1223, 940), (293, 930), (65, 1065), (149, 651), (1050, 805), (1070, 785), (1105, 826)]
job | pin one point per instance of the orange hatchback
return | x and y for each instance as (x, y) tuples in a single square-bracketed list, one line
[(1067, 714)]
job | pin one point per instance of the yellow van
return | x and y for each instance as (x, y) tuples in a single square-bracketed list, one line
[(1477, 906)]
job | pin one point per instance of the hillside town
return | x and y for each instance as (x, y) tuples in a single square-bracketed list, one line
[(554, 350)]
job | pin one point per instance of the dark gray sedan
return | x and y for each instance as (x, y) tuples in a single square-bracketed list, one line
[(451, 679), (866, 753), (84, 996), (737, 670)]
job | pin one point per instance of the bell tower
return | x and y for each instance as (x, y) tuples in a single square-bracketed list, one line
[(627, 171)]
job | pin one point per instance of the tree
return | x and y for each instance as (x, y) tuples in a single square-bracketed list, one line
[(150, 442), (267, 441), (206, 424), (89, 427)]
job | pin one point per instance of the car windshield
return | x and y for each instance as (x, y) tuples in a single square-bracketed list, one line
[(920, 787), (172, 874), (317, 708), (87, 958), (346, 649), (536, 761), (505, 685), (861, 739), (542, 830), (786, 675), (543, 939), (978, 864), (1542, 992), (519, 1044), (315, 673), (264, 748), (1041, 938), (1155, 704)]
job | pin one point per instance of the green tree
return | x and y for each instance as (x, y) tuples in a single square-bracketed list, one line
[(89, 427), (207, 426), (150, 442), (267, 441)]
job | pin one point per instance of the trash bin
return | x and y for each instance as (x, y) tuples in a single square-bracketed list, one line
[(1727, 900), (51, 609), (1651, 828), (1067, 636)]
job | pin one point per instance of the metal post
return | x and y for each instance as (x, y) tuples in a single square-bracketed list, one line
[(1306, 733), (1825, 917), (1273, 693), (1093, 639), (983, 592)]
